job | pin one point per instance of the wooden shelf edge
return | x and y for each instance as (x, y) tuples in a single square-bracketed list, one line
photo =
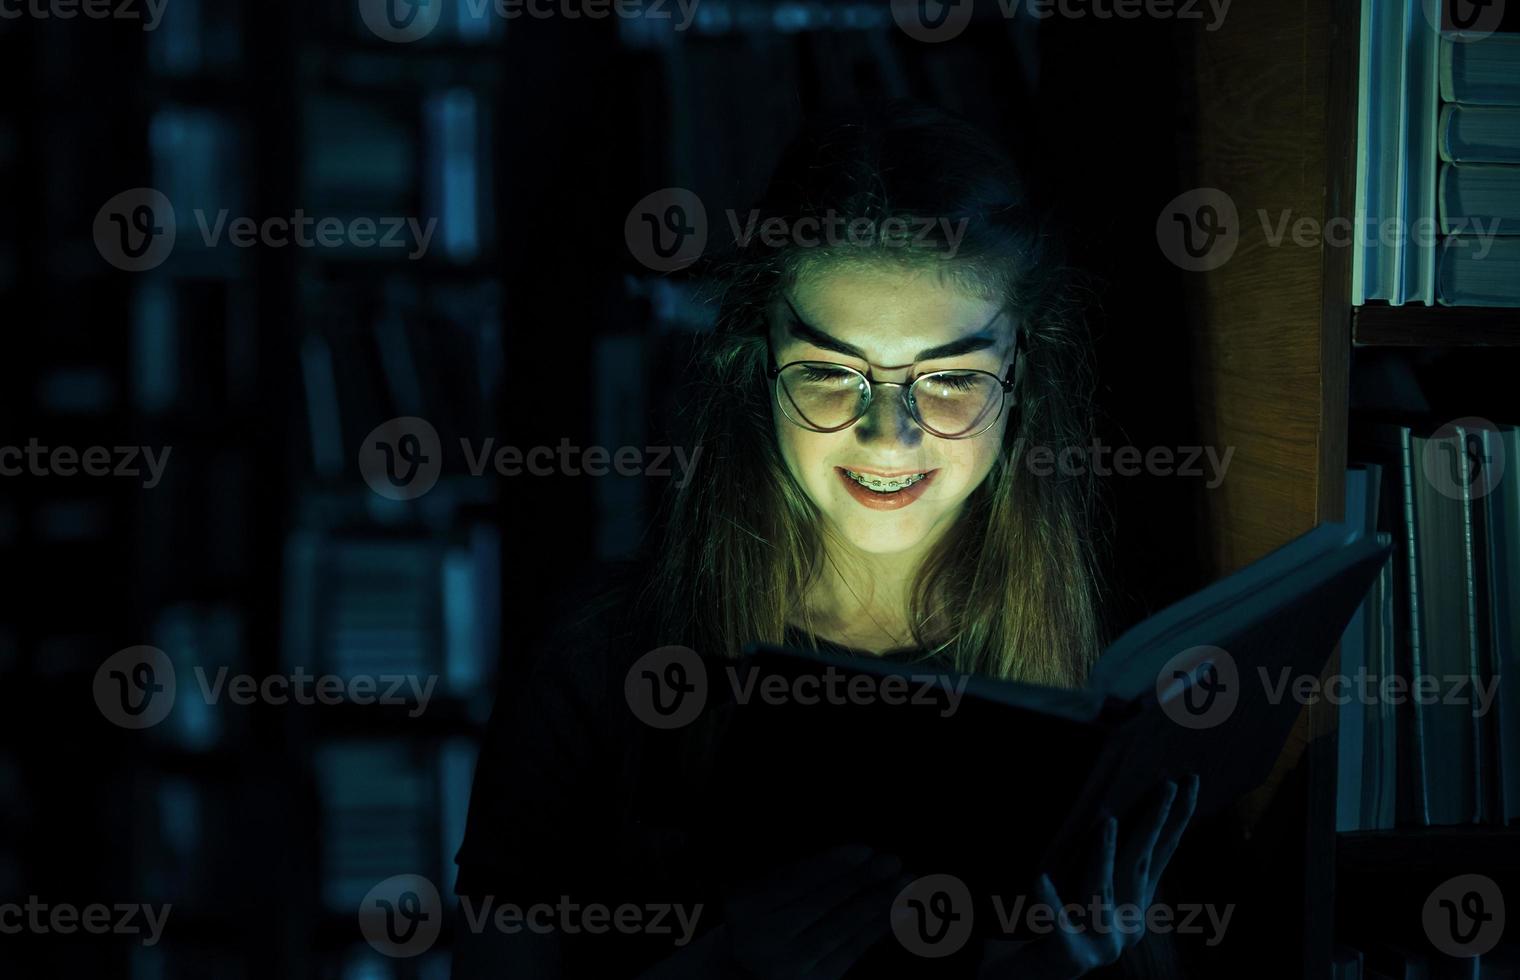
[(1428, 848), (1381, 325)]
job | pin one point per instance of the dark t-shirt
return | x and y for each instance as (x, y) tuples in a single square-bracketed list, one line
[(576, 800)]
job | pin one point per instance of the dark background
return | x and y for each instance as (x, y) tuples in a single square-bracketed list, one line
[(528, 320)]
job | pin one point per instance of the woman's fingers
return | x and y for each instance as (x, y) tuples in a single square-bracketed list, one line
[(1171, 834), (1134, 874), (1071, 950), (1100, 872)]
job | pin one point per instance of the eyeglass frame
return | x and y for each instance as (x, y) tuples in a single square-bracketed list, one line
[(773, 375)]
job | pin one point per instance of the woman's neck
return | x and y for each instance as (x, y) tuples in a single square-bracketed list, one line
[(862, 599)]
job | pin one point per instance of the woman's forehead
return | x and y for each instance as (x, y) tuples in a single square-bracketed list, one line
[(890, 314)]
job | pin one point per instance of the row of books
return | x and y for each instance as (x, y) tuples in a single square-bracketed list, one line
[(387, 807), (390, 807), (1438, 162), (1398, 963), (1479, 146), (374, 604), (1430, 715)]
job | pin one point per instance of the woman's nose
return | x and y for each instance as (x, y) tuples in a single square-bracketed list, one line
[(887, 419)]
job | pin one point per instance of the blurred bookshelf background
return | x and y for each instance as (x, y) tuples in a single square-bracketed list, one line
[(261, 370)]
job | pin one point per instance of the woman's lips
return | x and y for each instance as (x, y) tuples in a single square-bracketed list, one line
[(884, 501)]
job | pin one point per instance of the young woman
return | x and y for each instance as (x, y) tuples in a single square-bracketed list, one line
[(896, 332)]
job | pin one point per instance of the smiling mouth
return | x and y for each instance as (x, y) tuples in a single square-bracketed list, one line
[(884, 484)]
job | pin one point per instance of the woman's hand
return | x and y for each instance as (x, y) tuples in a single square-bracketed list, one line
[(813, 919), (1119, 877)]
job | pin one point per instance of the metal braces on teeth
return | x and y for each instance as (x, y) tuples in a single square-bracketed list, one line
[(884, 484)]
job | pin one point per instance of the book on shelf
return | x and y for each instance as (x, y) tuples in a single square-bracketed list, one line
[(1366, 749), (1479, 199), (1501, 514), (1477, 271), (1479, 183), (1485, 71), (1480, 134), (1396, 963), (378, 816), (1397, 103), (1454, 765), (1438, 162), (1443, 741), (1345, 963)]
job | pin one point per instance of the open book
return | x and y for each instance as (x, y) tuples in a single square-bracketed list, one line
[(995, 781)]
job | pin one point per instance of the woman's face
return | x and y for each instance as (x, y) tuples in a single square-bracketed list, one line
[(891, 325)]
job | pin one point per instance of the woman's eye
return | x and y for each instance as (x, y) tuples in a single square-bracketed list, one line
[(956, 382), (826, 375)]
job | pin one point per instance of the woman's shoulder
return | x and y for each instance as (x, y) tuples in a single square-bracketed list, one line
[(593, 622)]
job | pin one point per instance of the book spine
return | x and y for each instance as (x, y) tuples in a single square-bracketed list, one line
[(1387, 715), (1470, 606), (1419, 800), (1351, 728), (1400, 286), (1362, 256), (1448, 74), (1428, 111), (1503, 524)]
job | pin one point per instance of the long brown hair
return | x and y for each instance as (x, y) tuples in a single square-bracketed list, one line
[(1011, 589)]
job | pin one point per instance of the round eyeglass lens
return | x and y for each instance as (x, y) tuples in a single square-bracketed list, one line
[(822, 396), (956, 404)]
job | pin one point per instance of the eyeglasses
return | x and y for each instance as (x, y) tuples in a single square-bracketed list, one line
[(956, 404)]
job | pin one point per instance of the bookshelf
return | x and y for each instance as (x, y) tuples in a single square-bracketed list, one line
[(1275, 344), (1381, 325)]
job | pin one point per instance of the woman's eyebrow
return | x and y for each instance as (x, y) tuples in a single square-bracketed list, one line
[(981, 340)]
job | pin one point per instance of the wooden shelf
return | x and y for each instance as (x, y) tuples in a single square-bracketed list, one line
[(1435, 326), (1429, 848)]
